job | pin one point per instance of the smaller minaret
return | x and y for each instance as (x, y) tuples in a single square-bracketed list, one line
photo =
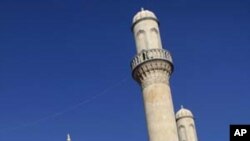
[(68, 137), (185, 125)]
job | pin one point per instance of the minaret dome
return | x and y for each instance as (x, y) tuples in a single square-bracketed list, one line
[(183, 112), (144, 14)]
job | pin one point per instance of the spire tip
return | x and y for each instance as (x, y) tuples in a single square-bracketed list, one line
[(68, 137)]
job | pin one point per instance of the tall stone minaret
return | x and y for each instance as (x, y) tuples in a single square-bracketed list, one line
[(186, 126), (151, 68)]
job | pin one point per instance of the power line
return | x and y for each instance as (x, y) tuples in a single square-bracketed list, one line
[(68, 109)]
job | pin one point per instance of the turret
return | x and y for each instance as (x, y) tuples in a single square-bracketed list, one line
[(185, 125), (146, 31)]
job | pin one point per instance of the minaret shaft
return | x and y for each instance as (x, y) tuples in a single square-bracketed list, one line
[(186, 129), (151, 68), (159, 114)]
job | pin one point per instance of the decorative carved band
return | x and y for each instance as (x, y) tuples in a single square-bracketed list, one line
[(148, 55), (152, 66)]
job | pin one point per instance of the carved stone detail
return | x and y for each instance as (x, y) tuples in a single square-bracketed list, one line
[(147, 55), (152, 66)]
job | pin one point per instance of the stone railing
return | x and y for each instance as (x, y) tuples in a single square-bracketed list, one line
[(148, 55)]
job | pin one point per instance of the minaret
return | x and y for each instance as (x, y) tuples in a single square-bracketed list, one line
[(151, 68), (186, 126), (68, 137)]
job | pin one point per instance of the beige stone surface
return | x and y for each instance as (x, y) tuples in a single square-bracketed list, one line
[(186, 125), (151, 68), (146, 31), (159, 113)]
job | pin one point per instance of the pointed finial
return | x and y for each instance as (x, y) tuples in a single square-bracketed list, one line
[(68, 137), (182, 107), (142, 9)]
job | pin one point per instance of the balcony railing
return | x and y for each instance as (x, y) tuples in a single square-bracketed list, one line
[(152, 54)]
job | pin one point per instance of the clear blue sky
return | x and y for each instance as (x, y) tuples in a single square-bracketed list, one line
[(64, 67)]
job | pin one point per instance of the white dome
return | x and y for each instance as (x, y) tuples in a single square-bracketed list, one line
[(183, 112), (143, 14)]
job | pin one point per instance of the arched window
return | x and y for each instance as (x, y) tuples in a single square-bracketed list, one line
[(154, 39), (182, 133), (141, 40)]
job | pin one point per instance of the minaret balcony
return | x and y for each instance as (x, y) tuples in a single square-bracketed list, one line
[(150, 55)]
